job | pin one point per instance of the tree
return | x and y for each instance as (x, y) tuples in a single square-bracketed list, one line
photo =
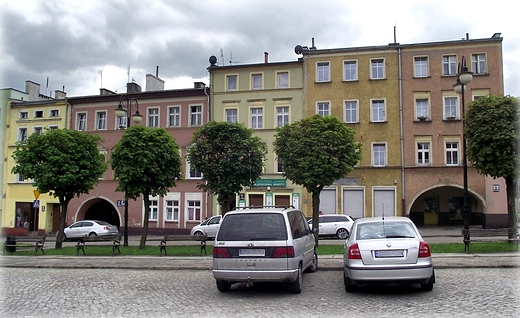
[(64, 162), (490, 127), (229, 158), (315, 152), (147, 162)]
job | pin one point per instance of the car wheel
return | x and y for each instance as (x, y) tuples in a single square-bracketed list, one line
[(198, 234), (429, 285), (223, 286), (314, 263), (296, 286), (92, 234), (342, 233)]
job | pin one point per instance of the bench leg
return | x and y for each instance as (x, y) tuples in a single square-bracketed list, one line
[(162, 247), (79, 247), (203, 248)]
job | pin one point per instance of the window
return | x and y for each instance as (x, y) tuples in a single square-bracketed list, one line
[(194, 210), (153, 210), (256, 81), (231, 115), (452, 153), (174, 116), (421, 67), (19, 178), (172, 210), (22, 134), (379, 155), (378, 110), (192, 172), (38, 114), (283, 80), (377, 67), (323, 72), (449, 65), (53, 127), (421, 108), (279, 166), (323, 108), (101, 120), (104, 153), (256, 118), (450, 107), (153, 117), (350, 71), (121, 123), (81, 121), (38, 130), (351, 111), (282, 116), (231, 82), (24, 115), (196, 115), (423, 153), (478, 63), (54, 113)]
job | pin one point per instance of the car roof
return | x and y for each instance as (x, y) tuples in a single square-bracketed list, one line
[(261, 210), (380, 219)]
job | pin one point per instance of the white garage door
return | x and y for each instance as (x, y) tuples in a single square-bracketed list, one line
[(354, 203), (384, 202), (328, 201)]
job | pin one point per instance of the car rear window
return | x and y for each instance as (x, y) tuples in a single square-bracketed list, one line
[(252, 226), (376, 230)]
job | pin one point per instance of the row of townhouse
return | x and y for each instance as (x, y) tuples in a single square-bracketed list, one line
[(399, 99)]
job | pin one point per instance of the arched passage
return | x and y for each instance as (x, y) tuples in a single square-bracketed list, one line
[(99, 209)]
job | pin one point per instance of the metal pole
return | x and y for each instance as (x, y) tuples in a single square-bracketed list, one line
[(465, 206), (125, 233)]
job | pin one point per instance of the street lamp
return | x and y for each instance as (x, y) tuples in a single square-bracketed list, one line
[(123, 110), (463, 78)]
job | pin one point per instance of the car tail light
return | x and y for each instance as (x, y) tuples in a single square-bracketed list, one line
[(353, 252), (220, 252), (424, 250), (287, 252)]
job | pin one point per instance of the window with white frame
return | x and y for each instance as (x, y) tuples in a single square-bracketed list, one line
[(22, 134), (153, 117), (378, 110), (38, 114), (379, 155), (323, 72), (231, 83), (450, 107), (54, 112), (377, 69), (452, 153), (478, 63), (282, 116), (153, 210), (231, 115), (279, 166), (38, 130), (174, 116), (449, 65), (423, 153), (421, 66), (422, 108), (282, 80), (196, 115), (323, 108), (24, 115), (81, 121), (350, 72), (121, 122), (53, 127), (351, 111), (194, 210), (192, 172), (104, 153), (172, 209), (19, 178), (256, 81), (101, 120), (256, 118)]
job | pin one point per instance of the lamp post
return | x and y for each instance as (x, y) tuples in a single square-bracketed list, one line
[(123, 111), (464, 76)]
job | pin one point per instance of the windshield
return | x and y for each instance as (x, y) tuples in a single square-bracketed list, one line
[(253, 227)]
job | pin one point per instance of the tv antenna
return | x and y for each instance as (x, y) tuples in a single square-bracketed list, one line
[(231, 59)]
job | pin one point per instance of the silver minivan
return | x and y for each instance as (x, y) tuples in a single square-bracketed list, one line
[(267, 244)]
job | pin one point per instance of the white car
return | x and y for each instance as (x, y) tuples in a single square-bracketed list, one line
[(338, 225), (209, 227), (88, 228)]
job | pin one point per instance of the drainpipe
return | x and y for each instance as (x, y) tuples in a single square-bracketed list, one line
[(402, 130)]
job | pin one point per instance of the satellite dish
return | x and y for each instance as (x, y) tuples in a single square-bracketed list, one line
[(213, 60), (298, 49)]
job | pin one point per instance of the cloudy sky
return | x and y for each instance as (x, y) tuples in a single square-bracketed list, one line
[(85, 45)]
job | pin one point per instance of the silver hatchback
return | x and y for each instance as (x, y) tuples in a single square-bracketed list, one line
[(263, 245)]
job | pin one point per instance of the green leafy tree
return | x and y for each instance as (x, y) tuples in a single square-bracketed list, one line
[(64, 162), (315, 152), (229, 157), (147, 162), (491, 130)]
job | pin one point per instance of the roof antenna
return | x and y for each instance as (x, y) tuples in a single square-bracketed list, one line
[(383, 209)]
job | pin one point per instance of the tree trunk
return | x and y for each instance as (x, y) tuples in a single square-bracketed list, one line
[(64, 202), (316, 213), (144, 233), (511, 207)]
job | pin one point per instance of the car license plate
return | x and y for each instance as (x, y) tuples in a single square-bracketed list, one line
[(389, 253), (251, 252)]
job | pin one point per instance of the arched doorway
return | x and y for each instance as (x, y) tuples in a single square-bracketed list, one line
[(104, 211)]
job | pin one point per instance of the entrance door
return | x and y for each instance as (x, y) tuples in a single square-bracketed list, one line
[(282, 200), (256, 200)]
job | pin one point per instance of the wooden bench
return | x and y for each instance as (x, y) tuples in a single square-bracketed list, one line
[(179, 237), (116, 241), (489, 235), (24, 243)]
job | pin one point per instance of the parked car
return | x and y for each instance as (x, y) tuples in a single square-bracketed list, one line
[(263, 245), (334, 225), (88, 228), (387, 250), (209, 227)]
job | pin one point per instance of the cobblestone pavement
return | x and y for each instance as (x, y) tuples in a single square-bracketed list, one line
[(52, 292)]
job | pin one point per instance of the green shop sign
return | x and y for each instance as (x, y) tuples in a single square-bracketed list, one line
[(270, 183)]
